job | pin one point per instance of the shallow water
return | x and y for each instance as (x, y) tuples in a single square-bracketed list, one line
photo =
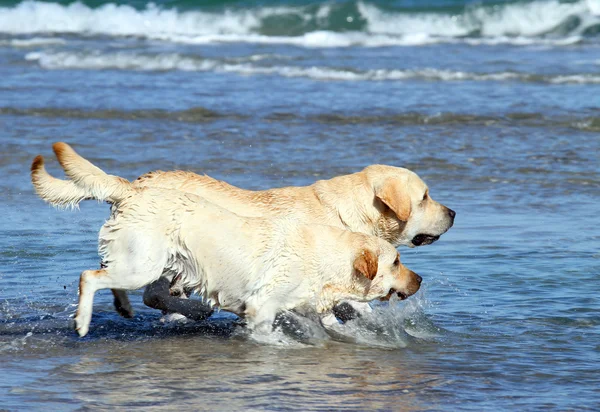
[(495, 106)]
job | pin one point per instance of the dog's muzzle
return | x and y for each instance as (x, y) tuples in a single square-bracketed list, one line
[(422, 240)]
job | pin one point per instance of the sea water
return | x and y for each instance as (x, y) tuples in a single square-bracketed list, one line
[(496, 105)]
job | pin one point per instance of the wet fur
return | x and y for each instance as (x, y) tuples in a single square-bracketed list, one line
[(383, 201)]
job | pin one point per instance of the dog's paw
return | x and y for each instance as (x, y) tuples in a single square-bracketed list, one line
[(200, 315), (345, 312), (81, 326), (124, 310)]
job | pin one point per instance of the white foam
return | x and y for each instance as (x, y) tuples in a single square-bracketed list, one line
[(330, 39), (244, 66), (520, 19), (594, 7), (576, 79), (315, 39), (33, 42), (36, 17), (518, 23), (386, 22), (526, 19), (521, 41), (119, 61), (133, 61)]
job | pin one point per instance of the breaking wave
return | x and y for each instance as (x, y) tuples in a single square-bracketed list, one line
[(339, 24)]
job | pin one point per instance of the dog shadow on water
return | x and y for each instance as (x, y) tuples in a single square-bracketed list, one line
[(41, 326)]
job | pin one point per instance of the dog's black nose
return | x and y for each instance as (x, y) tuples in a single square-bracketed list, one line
[(452, 213), (419, 278)]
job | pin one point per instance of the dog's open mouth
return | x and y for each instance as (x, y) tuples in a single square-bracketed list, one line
[(421, 239), (401, 295)]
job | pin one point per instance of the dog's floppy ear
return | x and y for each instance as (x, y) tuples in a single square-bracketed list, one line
[(366, 263), (393, 193)]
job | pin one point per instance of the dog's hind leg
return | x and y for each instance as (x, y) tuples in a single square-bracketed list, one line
[(88, 285), (107, 278), (122, 304), (157, 295)]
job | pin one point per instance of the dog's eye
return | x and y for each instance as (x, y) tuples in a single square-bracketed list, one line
[(397, 261), (425, 196)]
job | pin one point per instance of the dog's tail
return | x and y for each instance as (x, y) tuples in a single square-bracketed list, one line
[(57, 192), (87, 181)]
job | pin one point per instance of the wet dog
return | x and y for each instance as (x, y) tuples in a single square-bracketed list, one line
[(385, 201)]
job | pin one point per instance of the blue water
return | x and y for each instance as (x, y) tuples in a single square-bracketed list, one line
[(495, 105)]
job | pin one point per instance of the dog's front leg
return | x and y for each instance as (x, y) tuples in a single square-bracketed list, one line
[(262, 318), (157, 296)]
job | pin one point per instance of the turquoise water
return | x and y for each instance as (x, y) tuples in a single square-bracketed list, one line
[(495, 105)]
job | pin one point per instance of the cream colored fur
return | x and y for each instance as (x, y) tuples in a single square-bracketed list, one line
[(388, 202), (252, 266)]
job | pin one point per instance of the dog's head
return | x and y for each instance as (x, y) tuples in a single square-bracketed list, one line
[(387, 275), (409, 216)]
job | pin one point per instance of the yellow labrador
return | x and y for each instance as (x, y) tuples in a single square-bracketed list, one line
[(255, 267), (389, 202)]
